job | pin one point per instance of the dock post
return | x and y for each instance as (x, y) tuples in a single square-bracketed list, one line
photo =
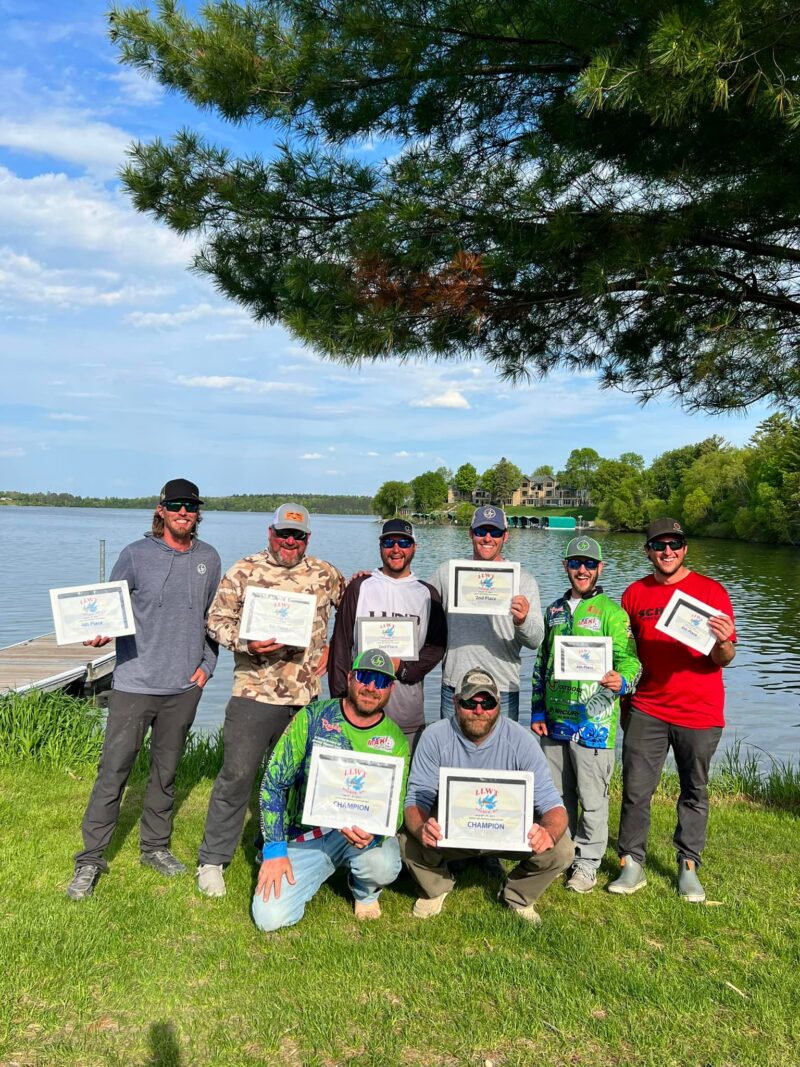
[(102, 561)]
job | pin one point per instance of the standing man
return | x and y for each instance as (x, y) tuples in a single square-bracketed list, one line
[(478, 739), (392, 591), (271, 681), (494, 641), (305, 856), (577, 721), (678, 704), (158, 680)]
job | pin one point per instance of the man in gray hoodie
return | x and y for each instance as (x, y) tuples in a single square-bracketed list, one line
[(158, 680)]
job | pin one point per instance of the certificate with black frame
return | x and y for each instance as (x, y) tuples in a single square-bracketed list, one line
[(479, 588), (284, 616), (397, 637), (488, 810), (348, 788), (81, 612), (582, 659), (686, 619)]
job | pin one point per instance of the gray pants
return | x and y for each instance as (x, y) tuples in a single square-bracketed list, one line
[(583, 777), (525, 883), (644, 751), (130, 715), (251, 731)]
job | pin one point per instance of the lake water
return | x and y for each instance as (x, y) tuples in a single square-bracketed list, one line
[(47, 547)]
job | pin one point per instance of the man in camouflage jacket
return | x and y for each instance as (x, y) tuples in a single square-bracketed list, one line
[(271, 681)]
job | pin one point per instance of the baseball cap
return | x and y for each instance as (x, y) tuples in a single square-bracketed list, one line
[(291, 517), (373, 659), (477, 681), (665, 525), (180, 489), (489, 516), (397, 526), (583, 546)]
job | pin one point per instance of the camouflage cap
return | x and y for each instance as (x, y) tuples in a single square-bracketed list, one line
[(477, 681), (373, 659)]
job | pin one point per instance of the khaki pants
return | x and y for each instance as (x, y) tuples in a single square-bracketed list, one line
[(525, 883)]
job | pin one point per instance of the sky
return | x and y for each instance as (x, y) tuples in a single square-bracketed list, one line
[(121, 368)]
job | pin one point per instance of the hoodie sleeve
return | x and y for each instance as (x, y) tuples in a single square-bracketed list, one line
[(210, 647), (530, 633), (340, 659)]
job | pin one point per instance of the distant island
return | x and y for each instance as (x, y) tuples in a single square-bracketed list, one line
[(316, 503)]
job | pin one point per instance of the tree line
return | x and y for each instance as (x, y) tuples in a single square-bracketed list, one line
[(714, 488), (315, 502)]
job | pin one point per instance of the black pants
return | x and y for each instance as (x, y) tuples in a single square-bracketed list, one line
[(250, 733), (130, 715), (644, 751)]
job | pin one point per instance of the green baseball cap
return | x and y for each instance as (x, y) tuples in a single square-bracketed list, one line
[(373, 659), (583, 546)]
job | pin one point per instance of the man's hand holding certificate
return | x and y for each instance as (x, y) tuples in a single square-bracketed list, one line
[(83, 612), (694, 623)]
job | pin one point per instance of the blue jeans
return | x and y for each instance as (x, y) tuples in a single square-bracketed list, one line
[(313, 862), (509, 704)]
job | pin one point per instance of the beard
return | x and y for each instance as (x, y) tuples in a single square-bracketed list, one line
[(476, 727)]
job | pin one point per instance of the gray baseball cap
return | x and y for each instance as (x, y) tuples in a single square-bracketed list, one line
[(477, 681), (291, 517), (583, 546)]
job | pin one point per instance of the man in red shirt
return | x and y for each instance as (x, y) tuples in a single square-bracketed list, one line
[(678, 704)]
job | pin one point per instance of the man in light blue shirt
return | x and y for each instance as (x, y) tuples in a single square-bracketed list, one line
[(479, 740)]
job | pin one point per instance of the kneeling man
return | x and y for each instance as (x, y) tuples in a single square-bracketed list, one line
[(308, 856), (479, 740)]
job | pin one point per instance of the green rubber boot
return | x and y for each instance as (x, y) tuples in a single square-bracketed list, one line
[(689, 885), (631, 877)]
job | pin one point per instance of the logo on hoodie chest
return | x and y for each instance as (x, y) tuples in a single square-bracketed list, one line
[(201, 568)]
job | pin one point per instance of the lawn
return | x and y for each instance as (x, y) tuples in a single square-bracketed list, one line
[(147, 972)]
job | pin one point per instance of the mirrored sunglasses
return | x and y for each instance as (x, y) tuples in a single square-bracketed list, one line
[(575, 564), (401, 542), (376, 678)]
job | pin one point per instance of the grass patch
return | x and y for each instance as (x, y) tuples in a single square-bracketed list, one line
[(147, 972)]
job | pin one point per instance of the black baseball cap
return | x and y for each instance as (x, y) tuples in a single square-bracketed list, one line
[(664, 527), (180, 489), (397, 526)]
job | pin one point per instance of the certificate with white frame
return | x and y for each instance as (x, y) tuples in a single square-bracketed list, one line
[(479, 588), (582, 659), (348, 788), (81, 612), (286, 617), (491, 810), (686, 619), (397, 637)]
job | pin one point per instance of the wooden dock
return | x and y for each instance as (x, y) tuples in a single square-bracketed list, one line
[(40, 663)]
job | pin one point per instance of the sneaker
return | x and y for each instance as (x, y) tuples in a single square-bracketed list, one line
[(529, 914), (582, 879), (689, 885), (163, 861), (631, 877), (426, 907), (367, 911), (83, 882), (210, 881)]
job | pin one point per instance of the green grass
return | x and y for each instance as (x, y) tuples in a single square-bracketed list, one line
[(147, 972)]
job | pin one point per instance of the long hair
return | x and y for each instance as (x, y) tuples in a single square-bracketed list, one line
[(157, 528)]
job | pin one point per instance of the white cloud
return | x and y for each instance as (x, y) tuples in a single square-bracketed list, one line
[(12, 453), (173, 319), (312, 455), (241, 385), (24, 279), (451, 398), (331, 472), (66, 416), (405, 455), (372, 453), (71, 136), (137, 89)]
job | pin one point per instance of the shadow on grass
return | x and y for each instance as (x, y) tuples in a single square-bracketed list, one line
[(164, 1048)]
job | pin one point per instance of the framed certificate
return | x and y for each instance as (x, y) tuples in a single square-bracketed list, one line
[(348, 788), (81, 612), (397, 637), (479, 588), (583, 659), (492, 810), (686, 619), (285, 616)]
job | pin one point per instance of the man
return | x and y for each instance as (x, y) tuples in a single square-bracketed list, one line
[(271, 681), (478, 740), (678, 704), (307, 857), (392, 591), (158, 680), (577, 721), (494, 641)]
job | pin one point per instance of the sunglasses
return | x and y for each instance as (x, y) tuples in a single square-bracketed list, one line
[(191, 506), (661, 546), (297, 535), (400, 542), (376, 678), (492, 531), (576, 564), (487, 703)]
